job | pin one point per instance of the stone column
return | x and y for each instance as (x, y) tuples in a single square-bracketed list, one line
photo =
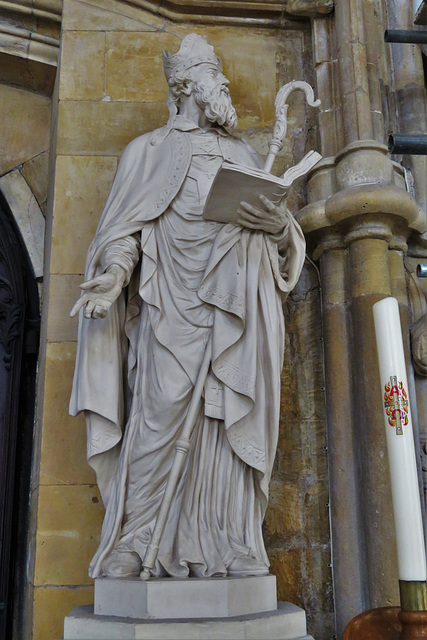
[(358, 236), (352, 69), (349, 569), (369, 282), (357, 222)]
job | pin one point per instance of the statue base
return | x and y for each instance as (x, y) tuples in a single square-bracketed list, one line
[(185, 597), (287, 622)]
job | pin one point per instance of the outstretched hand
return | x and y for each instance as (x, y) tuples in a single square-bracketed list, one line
[(98, 295), (271, 218)]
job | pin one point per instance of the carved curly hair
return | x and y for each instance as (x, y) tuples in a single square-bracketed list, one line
[(178, 85)]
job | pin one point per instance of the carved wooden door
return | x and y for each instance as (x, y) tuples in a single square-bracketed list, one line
[(19, 319)]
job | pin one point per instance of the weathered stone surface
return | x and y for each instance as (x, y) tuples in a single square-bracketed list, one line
[(322, 41), (82, 66), (69, 523), (316, 506), (134, 66), (375, 198), (284, 515), (82, 185), (319, 573), (21, 142), (63, 450), (352, 56), (111, 15), (342, 430), (369, 267), (63, 289), (309, 7), (30, 20), (301, 463), (357, 121), (28, 217), (104, 128), (29, 75), (52, 604), (331, 132), (286, 566), (363, 163), (35, 172)]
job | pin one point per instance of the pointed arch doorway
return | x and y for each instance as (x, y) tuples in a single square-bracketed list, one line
[(19, 342)]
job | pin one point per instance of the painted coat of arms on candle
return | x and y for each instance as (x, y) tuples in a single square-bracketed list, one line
[(396, 404)]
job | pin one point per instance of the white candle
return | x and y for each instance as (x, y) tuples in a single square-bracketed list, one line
[(400, 442)]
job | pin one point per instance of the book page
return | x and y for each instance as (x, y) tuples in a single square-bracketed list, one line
[(235, 183)]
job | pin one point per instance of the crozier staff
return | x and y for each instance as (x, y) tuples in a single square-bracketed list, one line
[(189, 283)]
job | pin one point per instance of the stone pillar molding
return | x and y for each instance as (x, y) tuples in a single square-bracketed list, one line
[(361, 179), (348, 567), (353, 70), (357, 221)]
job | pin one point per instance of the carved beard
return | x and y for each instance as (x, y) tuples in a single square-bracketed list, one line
[(216, 104)]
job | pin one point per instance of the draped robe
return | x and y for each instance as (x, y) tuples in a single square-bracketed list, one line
[(192, 285)]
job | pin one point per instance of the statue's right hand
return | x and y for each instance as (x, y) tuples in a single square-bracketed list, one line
[(98, 295)]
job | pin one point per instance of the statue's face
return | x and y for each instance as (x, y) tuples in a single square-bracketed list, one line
[(210, 89), (210, 76)]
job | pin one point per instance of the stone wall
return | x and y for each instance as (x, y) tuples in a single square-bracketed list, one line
[(24, 126), (110, 89), (25, 134)]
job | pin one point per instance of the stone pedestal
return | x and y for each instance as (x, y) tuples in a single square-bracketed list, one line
[(185, 597), (287, 622), (191, 608)]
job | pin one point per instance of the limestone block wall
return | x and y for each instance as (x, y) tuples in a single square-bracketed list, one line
[(24, 136), (24, 126), (110, 89)]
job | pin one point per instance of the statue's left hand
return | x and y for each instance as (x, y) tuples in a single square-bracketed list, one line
[(271, 218)]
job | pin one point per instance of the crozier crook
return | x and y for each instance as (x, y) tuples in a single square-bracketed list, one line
[(281, 109)]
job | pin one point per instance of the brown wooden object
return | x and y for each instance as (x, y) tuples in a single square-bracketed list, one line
[(414, 625), (376, 624), (387, 623)]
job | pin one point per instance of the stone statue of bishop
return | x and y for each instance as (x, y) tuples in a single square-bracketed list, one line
[(162, 286)]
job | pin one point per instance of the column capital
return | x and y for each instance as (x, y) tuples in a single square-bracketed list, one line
[(360, 181)]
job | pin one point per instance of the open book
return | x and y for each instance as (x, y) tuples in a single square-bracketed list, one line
[(235, 183)]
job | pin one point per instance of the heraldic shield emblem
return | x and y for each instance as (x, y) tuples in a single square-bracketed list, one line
[(396, 404)]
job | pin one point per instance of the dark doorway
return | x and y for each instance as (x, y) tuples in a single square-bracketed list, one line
[(19, 340)]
